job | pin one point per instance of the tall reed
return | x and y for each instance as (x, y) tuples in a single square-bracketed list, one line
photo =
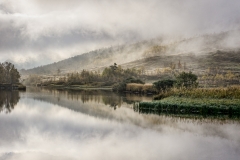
[(217, 93)]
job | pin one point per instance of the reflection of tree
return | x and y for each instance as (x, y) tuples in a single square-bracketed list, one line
[(112, 100), (99, 96), (106, 97), (8, 99)]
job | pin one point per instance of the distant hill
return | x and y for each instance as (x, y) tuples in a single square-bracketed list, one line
[(95, 59), (226, 60), (199, 52)]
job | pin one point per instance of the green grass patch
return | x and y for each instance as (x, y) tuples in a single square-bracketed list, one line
[(203, 107), (210, 102)]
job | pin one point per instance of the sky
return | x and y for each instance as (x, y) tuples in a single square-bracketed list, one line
[(39, 32)]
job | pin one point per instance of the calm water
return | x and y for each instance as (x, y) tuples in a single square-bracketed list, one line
[(50, 124)]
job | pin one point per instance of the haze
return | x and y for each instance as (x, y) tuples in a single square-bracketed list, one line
[(38, 32)]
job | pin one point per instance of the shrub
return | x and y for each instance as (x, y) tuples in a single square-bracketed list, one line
[(187, 80), (162, 85), (121, 86), (142, 88)]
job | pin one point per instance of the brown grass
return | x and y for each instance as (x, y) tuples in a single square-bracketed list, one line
[(232, 92), (134, 87)]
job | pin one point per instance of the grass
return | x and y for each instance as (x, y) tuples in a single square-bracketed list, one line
[(192, 107), (140, 88), (209, 102), (215, 102), (215, 93)]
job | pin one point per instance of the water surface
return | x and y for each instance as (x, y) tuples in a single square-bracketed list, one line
[(70, 125)]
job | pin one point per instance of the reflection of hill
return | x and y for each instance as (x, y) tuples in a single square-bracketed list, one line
[(8, 99)]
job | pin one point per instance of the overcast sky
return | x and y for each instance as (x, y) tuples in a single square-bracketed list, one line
[(38, 32)]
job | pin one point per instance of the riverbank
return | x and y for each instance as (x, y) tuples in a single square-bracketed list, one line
[(192, 107), (132, 88), (202, 102), (7, 86), (76, 87)]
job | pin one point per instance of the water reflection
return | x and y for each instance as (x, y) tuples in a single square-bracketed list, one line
[(8, 99), (190, 112), (67, 125), (105, 97)]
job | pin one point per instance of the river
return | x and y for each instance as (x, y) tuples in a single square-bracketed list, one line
[(70, 125)]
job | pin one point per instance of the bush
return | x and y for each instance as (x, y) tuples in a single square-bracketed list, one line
[(141, 88), (121, 86), (187, 80), (162, 85)]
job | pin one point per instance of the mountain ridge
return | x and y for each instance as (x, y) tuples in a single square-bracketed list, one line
[(198, 47)]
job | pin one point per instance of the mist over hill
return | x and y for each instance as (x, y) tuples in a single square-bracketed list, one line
[(209, 50), (36, 33), (95, 59)]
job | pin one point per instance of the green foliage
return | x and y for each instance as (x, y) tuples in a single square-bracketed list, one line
[(187, 80), (110, 76), (85, 77), (116, 73), (192, 106), (8, 73), (211, 102), (162, 85)]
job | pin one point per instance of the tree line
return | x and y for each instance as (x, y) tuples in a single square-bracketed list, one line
[(112, 74), (109, 76)]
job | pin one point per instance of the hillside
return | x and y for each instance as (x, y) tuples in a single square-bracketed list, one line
[(226, 60), (94, 59), (199, 52)]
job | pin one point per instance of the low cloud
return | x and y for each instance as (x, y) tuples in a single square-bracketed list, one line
[(40, 130), (51, 26)]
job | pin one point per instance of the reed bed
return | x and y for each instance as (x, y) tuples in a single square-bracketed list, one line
[(215, 93), (192, 106), (201, 101), (146, 88)]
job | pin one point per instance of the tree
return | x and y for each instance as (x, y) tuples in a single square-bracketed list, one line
[(58, 71), (8, 73), (188, 80), (179, 65)]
